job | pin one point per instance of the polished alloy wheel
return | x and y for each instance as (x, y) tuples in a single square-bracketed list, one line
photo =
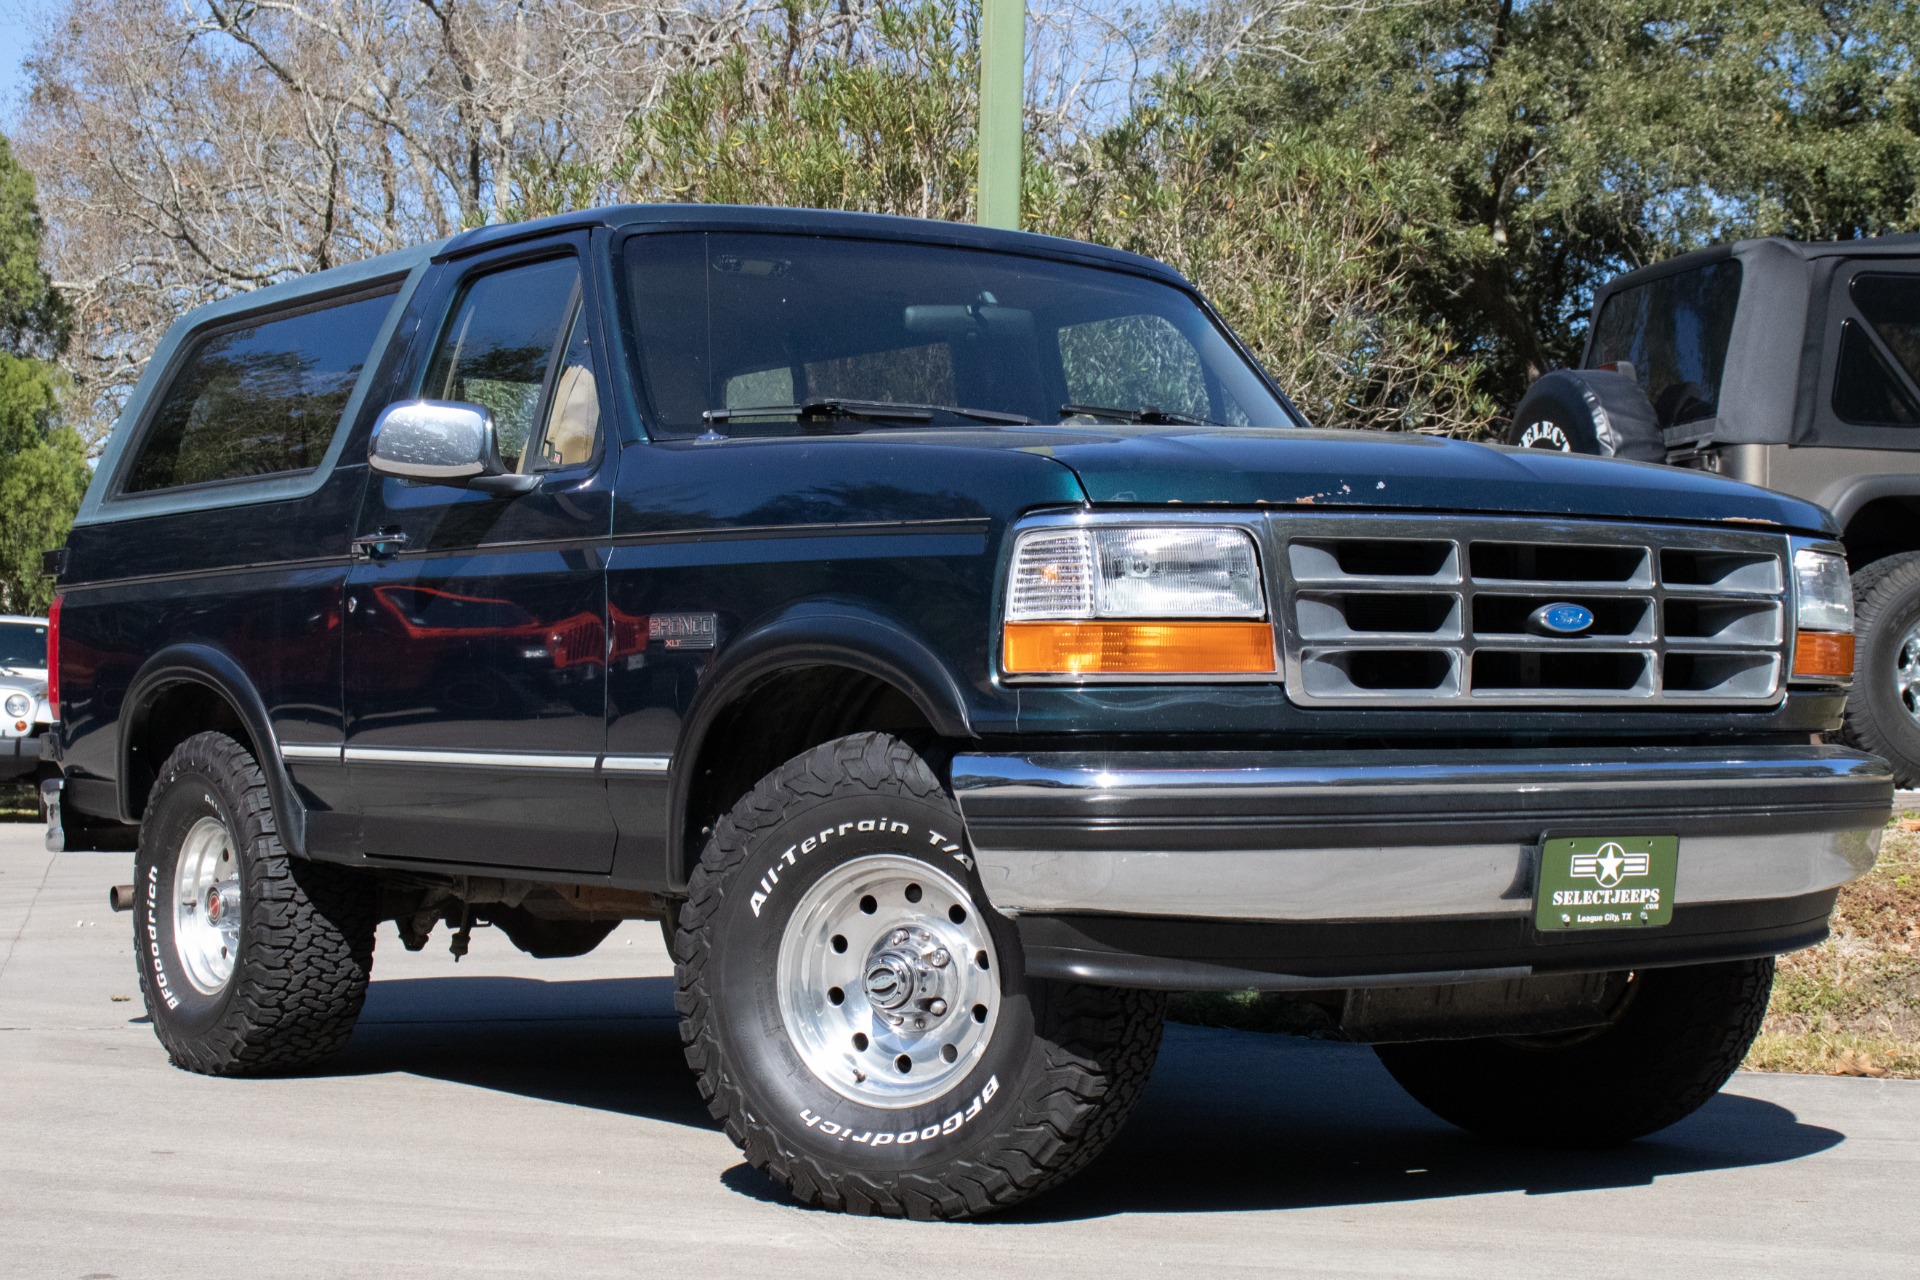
[(1906, 671), (887, 981), (206, 898)]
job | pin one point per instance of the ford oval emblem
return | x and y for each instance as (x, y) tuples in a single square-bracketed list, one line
[(1560, 619)]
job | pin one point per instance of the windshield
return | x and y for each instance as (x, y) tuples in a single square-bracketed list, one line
[(23, 644), (815, 329)]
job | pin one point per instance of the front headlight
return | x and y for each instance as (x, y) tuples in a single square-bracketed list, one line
[(1136, 600), (1823, 614), (19, 706)]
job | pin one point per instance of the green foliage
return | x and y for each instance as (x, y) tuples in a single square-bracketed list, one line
[(43, 473), (1580, 138), (43, 470), (1304, 243), (34, 319), (889, 130)]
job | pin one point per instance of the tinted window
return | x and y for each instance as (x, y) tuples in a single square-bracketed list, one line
[(23, 644), (1866, 390), (745, 321), (261, 400), (1891, 304), (498, 351), (1674, 332)]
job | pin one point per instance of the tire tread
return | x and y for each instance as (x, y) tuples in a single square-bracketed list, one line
[(1101, 1043), (309, 951)]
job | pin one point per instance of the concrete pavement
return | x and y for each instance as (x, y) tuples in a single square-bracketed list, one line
[(533, 1118)]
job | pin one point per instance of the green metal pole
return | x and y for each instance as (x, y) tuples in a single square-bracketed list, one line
[(1003, 56)]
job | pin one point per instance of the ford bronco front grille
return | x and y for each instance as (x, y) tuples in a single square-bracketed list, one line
[(1419, 610)]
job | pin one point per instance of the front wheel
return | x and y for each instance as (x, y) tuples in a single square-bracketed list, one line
[(1679, 1036), (860, 1021), (1883, 707)]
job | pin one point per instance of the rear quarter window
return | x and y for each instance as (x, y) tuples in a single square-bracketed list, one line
[(259, 399), (1674, 332), (1868, 389)]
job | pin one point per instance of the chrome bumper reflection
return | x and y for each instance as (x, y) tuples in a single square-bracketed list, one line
[(1236, 836)]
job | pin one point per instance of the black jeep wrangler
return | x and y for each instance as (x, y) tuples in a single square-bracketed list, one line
[(958, 642), (1790, 365)]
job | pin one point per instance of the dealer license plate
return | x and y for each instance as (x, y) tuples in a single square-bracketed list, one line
[(1606, 882)]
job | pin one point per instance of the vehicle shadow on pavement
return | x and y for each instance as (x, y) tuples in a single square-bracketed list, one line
[(1232, 1120), (608, 1043), (1239, 1120)]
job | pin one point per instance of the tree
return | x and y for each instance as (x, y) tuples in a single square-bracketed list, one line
[(1580, 138), (1307, 245), (43, 470), (882, 125)]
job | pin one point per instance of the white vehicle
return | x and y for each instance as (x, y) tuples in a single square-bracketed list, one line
[(25, 712)]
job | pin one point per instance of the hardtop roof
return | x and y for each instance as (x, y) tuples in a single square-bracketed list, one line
[(823, 222), (681, 217)]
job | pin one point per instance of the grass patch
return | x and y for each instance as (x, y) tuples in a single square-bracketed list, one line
[(18, 803), (1850, 1006)]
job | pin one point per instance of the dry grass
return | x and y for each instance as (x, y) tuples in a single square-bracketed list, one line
[(1851, 1006)]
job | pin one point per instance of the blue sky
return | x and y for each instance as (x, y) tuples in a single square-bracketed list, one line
[(18, 19)]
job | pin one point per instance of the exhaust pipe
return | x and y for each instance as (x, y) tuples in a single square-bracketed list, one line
[(120, 897)]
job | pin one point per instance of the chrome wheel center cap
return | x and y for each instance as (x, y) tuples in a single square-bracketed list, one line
[(222, 901), (890, 980)]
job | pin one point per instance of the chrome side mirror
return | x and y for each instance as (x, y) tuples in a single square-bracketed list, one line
[(443, 442)]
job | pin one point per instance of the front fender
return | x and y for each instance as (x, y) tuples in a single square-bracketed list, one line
[(818, 633), (217, 670), (1849, 497)]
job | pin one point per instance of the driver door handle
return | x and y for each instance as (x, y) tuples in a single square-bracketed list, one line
[(383, 545)]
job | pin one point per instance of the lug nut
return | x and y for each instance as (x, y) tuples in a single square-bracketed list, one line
[(936, 1007), (940, 958)]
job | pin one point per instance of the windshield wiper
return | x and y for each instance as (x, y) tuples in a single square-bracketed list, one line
[(1146, 414), (833, 408)]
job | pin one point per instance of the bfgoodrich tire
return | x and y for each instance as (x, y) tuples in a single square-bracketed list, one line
[(251, 961), (1678, 1038), (860, 1023), (1883, 707)]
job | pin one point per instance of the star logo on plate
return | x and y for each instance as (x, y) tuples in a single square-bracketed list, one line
[(1609, 864)]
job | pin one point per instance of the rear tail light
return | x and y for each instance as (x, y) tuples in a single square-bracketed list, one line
[(53, 657)]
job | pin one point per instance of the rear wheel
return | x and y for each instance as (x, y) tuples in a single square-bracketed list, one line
[(859, 1019), (1679, 1037), (1883, 707), (251, 961)]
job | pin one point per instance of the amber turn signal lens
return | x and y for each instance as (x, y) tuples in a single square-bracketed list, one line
[(1823, 653), (1138, 648)]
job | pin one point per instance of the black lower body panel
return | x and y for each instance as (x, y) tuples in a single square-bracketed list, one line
[(1175, 954)]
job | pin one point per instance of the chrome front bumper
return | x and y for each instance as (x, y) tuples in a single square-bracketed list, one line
[(1388, 835)]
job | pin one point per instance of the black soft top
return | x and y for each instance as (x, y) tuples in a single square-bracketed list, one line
[(1777, 381)]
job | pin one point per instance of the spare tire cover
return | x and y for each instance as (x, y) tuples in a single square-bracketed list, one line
[(1588, 411)]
